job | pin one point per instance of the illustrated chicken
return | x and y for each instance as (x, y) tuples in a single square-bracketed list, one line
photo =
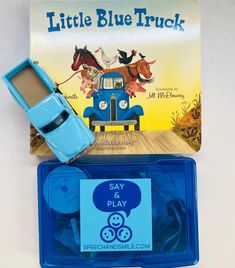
[(124, 59), (108, 61)]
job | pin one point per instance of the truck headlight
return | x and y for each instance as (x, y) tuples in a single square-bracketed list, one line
[(123, 104), (103, 105)]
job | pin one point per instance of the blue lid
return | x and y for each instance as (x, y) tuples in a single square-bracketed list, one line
[(165, 217), (62, 189)]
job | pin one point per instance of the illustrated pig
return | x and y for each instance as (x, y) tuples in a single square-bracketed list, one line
[(86, 83), (133, 87)]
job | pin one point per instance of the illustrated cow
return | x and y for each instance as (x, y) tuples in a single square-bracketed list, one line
[(139, 70)]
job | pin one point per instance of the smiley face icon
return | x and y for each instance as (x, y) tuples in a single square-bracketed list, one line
[(116, 220), (124, 234), (107, 234)]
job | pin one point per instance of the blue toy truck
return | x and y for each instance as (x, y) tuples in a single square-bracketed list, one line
[(111, 105), (65, 133)]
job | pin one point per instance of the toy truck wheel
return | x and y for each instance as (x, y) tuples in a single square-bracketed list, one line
[(102, 128), (126, 128), (91, 119), (137, 125)]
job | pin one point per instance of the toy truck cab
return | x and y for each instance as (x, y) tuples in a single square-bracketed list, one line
[(111, 105)]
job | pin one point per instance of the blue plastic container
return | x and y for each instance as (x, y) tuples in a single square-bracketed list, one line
[(66, 205)]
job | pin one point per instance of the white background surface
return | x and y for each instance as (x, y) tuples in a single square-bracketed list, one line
[(216, 161)]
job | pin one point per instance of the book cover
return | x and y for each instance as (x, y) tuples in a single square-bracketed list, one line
[(130, 69)]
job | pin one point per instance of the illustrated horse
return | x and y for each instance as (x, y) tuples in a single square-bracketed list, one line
[(91, 67), (84, 56)]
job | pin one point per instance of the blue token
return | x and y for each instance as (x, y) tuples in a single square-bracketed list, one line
[(62, 189)]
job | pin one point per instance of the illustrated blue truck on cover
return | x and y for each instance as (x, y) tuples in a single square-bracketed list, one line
[(111, 105), (49, 112)]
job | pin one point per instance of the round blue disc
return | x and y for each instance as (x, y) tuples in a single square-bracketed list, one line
[(62, 189)]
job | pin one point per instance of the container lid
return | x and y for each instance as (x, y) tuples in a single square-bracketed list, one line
[(62, 189)]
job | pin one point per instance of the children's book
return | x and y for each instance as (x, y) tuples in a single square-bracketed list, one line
[(130, 69)]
